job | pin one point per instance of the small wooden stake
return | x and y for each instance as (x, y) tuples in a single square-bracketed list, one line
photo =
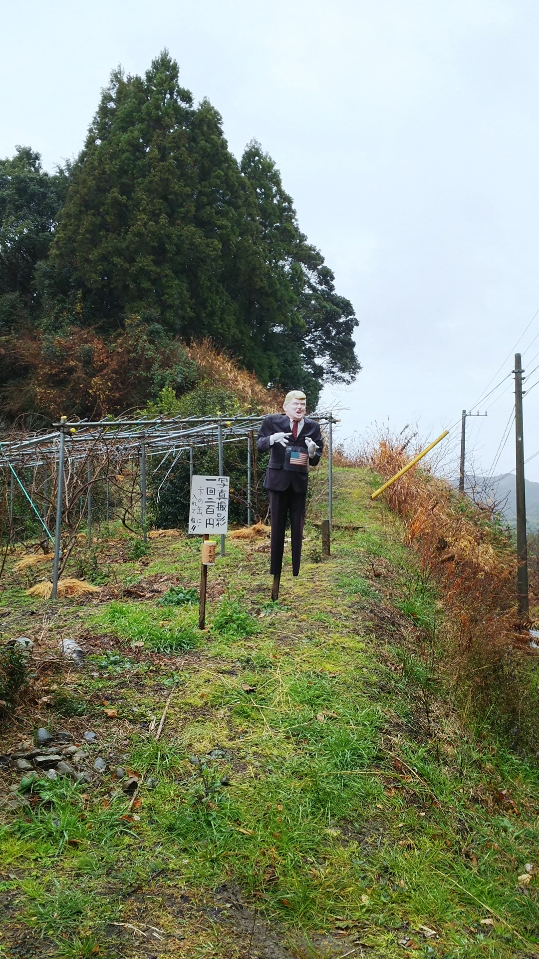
[(325, 537), (163, 717), (203, 587)]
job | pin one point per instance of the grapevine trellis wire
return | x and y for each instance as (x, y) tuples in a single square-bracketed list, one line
[(57, 470)]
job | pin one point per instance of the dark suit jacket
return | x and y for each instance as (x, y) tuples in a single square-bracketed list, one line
[(277, 477)]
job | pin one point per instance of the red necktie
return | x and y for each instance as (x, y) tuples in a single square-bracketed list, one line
[(294, 430)]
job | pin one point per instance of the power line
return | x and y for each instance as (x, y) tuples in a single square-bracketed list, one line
[(499, 395), (493, 390), (531, 344), (490, 392), (502, 444), (534, 369), (530, 388), (482, 397), (534, 357)]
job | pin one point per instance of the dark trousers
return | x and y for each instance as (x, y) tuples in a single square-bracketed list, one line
[(283, 503)]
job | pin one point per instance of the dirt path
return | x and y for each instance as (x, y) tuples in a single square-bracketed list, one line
[(312, 793)]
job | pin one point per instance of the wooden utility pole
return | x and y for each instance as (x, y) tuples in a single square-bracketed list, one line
[(522, 545)]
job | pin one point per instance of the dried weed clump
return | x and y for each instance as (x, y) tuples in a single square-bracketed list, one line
[(259, 530), (66, 587), (473, 562), (222, 370), (33, 559)]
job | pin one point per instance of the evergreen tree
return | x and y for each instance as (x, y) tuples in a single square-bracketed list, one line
[(161, 220), (29, 203), (155, 215), (308, 327)]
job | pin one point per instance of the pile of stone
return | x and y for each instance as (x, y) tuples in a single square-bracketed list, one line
[(53, 755)]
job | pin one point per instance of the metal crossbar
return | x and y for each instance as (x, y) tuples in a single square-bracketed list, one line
[(128, 439), (83, 438)]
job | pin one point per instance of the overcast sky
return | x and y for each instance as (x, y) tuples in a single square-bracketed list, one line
[(407, 132)]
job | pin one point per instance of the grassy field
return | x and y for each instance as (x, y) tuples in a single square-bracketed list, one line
[(312, 792)]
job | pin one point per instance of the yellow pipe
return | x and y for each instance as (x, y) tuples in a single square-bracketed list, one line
[(409, 465)]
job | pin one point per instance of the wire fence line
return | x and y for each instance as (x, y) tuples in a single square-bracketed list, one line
[(59, 474)]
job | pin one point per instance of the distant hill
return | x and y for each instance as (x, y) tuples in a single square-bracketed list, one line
[(501, 489)]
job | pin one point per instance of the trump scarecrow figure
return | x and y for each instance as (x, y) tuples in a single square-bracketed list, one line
[(295, 441)]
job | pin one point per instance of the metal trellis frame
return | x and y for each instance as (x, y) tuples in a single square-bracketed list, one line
[(122, 439)]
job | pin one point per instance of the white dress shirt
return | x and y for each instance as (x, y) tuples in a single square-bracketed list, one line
[(301, 424)]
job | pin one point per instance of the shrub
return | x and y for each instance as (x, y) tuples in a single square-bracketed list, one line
[(13, 674)]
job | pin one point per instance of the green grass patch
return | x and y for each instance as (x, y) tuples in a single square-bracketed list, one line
[(358, 586), (68, 702), (141, 621), (311, 757), (233, 621), (179, 596)]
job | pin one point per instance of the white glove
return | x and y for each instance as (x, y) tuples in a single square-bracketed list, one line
[(311, 446), (281, 438)]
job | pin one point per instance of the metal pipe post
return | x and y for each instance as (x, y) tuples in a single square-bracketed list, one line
[(143, 489), (249, 457), (45, 494), (221, 467), (107, 499), (190, 467), (59, 501), (409, 465), (89, 502), (11, 498)]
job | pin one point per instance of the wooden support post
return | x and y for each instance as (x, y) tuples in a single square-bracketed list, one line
[(326, 537), (275, 588), (522, 544), (202, 594)]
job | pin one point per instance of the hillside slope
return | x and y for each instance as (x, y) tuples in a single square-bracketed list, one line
[(501, 490), (312, 792)]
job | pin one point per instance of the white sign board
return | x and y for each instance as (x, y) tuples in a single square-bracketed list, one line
[(208, 512)]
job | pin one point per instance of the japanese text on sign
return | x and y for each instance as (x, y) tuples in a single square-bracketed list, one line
[(208, 511)]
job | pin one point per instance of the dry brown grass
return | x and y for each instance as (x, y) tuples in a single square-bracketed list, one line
[(471, 559), (484, 647), (32, 560), (68, 587), (350, 455), (251, 532), (223, 370)]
